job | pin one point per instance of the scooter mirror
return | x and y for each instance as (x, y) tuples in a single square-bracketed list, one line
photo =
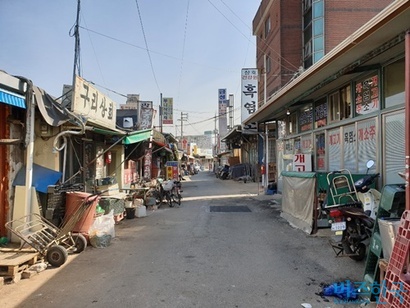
[(370, 164)]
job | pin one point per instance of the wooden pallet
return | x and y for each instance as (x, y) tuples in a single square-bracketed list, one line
[(13, 263)]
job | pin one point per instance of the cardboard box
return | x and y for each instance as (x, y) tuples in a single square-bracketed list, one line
[(108, 190)]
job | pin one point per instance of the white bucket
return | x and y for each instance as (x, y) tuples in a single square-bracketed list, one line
[(141, 211)]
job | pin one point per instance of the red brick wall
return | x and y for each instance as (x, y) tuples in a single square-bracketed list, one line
[(343, 17), (284, 43)]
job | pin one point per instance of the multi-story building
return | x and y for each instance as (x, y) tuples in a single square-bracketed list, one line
[(292, 35), (346, 104)]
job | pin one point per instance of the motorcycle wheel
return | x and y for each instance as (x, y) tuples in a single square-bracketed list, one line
[(361, 252)]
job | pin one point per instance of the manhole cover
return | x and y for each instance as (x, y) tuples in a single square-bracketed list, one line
[(229, 209)]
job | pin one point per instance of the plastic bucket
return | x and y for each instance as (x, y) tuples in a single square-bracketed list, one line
[(130, 212)]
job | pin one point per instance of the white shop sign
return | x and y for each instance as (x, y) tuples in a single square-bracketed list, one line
[(92, 104), (302, 162)]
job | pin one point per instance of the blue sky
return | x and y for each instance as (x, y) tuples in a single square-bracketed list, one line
[(195, 48)]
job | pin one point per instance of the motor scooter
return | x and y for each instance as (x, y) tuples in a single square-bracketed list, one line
[(354, 216)]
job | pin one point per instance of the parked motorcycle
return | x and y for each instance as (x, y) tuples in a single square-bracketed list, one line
[(354, 217), (223, 173)]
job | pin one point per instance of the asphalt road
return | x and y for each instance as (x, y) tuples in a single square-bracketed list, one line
[(196, 256)]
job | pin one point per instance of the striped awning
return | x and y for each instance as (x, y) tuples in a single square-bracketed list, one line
[(12, 99)]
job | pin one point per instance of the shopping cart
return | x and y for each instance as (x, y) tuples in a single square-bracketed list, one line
[(52, 242)]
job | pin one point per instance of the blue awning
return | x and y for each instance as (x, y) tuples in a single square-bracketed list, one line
[(12, 99)]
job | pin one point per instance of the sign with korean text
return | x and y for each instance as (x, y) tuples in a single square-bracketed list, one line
[(321, 115), (367, 95), (306, 120), (147, 164), (302, 162), (222, 115), (349, 147), (249, 95), (366, 143), (167, 110), (146, 115), (222, 111), (335, 148), (92, 104)]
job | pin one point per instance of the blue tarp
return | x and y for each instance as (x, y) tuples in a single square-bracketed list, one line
[(42, 177), (12, 99)]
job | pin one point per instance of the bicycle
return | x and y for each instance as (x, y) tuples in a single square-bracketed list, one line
[(172, 192)]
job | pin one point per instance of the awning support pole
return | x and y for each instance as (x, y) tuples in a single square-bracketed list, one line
[(407, 115)]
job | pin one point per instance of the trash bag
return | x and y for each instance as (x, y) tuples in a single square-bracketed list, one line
[(102, 230), (343, 290)]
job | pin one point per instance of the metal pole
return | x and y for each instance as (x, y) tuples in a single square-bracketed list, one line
[(182, 126), (266, 157), (77, 43), (160, 112), (30, 148), (407, 115), (266, 131)]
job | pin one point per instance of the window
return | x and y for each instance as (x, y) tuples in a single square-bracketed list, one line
[(394, 84), (307, 4), (292, 121), (346, 103), (268, 64), (334, 107), (306, 119), (321, 113), (267, 27), (320, 152), (340, 104), (313, 32)]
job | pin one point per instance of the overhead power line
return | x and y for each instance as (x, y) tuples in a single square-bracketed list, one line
[(146, 46)]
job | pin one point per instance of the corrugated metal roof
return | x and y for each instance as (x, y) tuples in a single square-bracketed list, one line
[(12, 99)]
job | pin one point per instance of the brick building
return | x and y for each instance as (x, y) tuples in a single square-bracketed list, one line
[(292, 35)]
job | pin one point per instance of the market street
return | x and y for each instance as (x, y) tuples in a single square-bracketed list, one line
[(196, 256)]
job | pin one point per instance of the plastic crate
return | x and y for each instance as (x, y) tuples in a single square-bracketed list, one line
[(399, 255), (388, 289), (108, 204)]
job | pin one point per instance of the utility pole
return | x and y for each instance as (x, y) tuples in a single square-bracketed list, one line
[(77, 44), (184, 117), (160, 112)]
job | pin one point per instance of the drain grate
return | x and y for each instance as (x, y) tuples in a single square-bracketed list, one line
[(229, 209)]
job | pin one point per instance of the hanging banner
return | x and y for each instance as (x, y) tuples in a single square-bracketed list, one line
[(222, 111), (146, 115), (222, 116), (249, 97), (147, 164), (167, 110), (93, 105)]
